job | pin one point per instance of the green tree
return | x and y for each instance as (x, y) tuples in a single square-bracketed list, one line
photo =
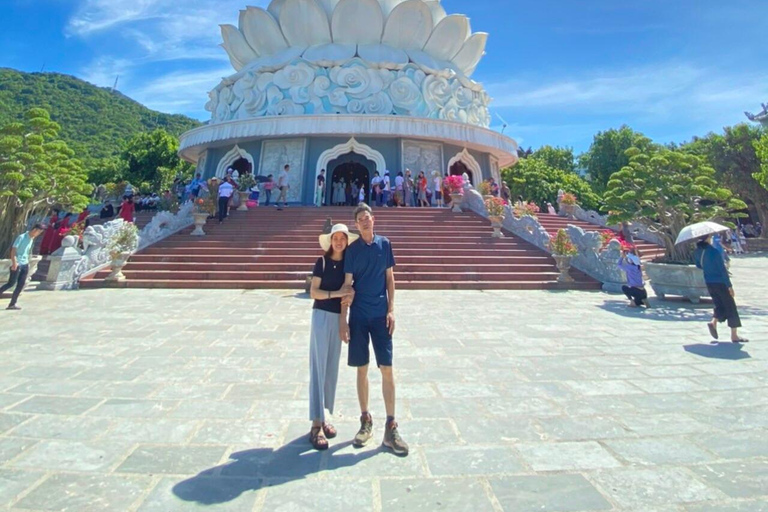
[(558, 158), (538, 182), (153, 159), (734, 157), (761, 148), (607, 154), (37, 171), (666, 190)]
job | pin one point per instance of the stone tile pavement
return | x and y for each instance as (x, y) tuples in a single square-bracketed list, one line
[(519, 401)]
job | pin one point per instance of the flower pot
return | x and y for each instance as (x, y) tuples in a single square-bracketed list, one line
[(456, 200), (200, 219), (563, 265), (496, 225), (119, 260), (683, 280), (243, 201), (568, 209), (487, 197)]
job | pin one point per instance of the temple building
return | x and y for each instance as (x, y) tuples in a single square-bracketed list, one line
[(351, 87)]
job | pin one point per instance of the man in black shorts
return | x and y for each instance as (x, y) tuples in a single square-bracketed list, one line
[(368, 265)]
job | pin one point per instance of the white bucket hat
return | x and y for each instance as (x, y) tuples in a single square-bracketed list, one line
[(325, 239)]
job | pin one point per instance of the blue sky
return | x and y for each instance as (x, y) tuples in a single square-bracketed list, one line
[(559, 70)]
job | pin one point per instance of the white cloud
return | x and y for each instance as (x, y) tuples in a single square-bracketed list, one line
[(179, 92), (660, 92)]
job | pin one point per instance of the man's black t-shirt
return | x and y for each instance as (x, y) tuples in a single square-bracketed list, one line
[(332, 276), (320, 180)]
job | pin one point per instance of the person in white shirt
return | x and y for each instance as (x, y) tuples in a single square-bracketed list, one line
[(399, 189), (386, 188), (438, 184), (225, 194), (283, 186), (376, 188), (361, 194)]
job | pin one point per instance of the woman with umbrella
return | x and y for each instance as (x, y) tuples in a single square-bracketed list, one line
[(709, 259)]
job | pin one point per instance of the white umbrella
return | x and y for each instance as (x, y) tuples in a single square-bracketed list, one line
[(699, 230)]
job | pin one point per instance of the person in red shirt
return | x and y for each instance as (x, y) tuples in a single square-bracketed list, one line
[(50, 234), (127, 209)]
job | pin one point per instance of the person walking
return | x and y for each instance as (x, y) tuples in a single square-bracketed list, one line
[(20, 250), (325, 338), (320, 189), (226, 189), (635, 291), (386, 189), (408, 194), (399, 189), (376, 189), (369, 272), (720, 289), (283, 186), (268, 186)]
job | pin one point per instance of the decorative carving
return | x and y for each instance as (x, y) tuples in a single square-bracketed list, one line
[(639, 231), (354, 87), (232, 156), (423, 157), (275, 154), (352, 146), (467, 159), (761, 117)]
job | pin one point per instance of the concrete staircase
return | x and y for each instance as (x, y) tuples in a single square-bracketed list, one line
[(552, 223), (265, 248)]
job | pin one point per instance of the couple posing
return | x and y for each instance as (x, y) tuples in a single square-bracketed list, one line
[(355, 275)]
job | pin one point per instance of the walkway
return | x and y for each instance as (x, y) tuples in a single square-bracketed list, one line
[(165, 400)]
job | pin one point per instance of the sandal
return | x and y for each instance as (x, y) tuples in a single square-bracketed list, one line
[(329, 430), (740, 340), (712, 330), (317, 442)]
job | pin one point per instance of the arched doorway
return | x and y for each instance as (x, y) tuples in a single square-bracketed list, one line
[(459, 168), (350, 172), (242, 166)]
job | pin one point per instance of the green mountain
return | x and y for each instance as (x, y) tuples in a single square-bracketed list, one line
[(95, 122)]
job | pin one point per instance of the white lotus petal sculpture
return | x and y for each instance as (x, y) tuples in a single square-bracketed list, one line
[(409, 25), (382, 57)]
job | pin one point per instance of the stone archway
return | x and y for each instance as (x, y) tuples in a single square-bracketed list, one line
[(469, 161), (230, 158), (351, 146)]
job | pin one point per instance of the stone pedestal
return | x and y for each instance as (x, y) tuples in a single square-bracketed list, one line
[(61, 270)]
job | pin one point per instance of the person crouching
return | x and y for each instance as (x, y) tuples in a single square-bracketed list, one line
[(629, 262)]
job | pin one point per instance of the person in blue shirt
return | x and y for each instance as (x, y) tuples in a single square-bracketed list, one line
[(720, 289), (22, 246), (369, 271)]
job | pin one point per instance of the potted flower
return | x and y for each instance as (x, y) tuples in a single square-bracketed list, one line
[(455, 185), (526, 210), (495, 207), (485, 190), (246, 181), (563, 250), (666, 190), (568, 204), (120, 247), (204, 208)]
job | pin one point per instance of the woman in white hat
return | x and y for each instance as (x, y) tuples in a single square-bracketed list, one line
[(325, 339)]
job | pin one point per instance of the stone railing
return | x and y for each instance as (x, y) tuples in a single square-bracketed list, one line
[(600, 265), (70, 264), (639, 231)]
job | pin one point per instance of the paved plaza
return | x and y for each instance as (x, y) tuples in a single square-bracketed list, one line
[(152, 400)]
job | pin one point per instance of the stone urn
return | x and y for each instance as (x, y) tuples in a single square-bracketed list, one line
[(496, 222), (568, 209), (683, 280), (5, 268), (200, 219), (564, 266), (119, 260), (456, 200), (243, 200)]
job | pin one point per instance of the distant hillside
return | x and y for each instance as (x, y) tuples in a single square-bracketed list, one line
[(95, 121)]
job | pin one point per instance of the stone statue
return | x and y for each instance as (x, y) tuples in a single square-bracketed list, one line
[(761, 117)]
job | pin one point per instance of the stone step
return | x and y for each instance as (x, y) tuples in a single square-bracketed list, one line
[(306, 267), (309, 259)]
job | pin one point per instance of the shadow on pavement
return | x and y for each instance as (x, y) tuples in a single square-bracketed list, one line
[(718, 350), (674, 311), (249, 470)]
